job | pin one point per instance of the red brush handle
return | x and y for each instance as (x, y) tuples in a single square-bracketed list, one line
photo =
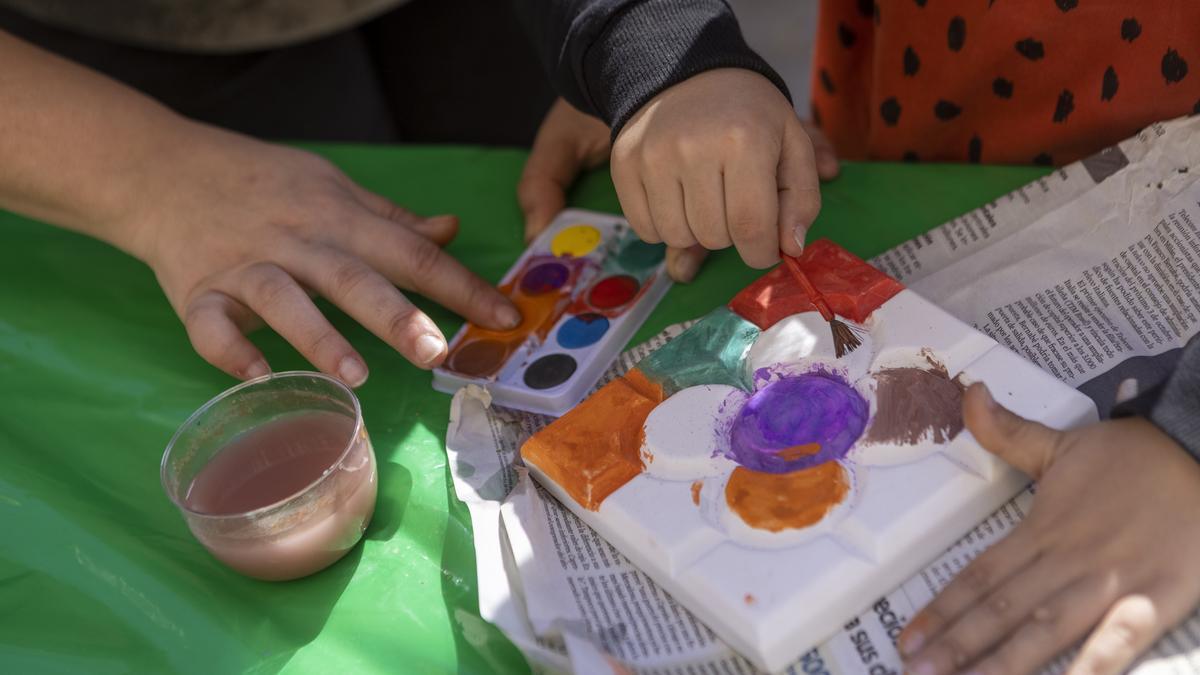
[(817, 299)]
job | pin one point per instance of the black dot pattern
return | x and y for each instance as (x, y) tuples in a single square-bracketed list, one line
[(946, 110), (827, 81), (1130, 29), (912, 62), (1174, 68), (1108, 88), (1081, 70), (956, 34), (1064, 107), (889, 110), (1031, 49), (846, 36)]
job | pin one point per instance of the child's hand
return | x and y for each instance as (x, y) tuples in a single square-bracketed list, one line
[(567, 143), (1109, 551), (720, 159), (238, 230)]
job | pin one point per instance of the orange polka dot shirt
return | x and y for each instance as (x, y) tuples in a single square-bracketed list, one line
[(1000, 81)]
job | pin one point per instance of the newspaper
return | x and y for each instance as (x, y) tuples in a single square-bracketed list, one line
[(1092, 272)]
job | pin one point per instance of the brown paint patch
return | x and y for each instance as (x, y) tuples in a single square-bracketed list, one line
[(913, 403), (749, 599), (798, 451), (478, 358), (481, 352), (596, 447), (787, 501), (696, 486)]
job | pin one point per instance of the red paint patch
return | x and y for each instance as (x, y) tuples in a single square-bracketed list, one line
[(613, 292), (852, 288)]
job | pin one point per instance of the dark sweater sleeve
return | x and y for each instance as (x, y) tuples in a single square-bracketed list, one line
[(1174, 406), (609, 57)]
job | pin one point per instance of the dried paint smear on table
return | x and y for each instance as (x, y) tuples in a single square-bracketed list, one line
[(780, 417)]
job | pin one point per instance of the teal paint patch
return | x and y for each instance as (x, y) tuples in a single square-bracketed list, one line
[(713, 351), (637, 255)]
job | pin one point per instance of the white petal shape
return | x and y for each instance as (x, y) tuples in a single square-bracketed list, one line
[(804, 342), (687, 434)]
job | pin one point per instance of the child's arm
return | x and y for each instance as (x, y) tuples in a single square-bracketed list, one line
[(707, 148), (235, 229), (1109, 551)]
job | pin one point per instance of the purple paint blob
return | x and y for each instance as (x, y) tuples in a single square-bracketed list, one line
[(793, 412), (544, 278)]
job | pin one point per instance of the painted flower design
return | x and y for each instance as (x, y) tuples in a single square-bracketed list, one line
[(777, 462), (752, 408)]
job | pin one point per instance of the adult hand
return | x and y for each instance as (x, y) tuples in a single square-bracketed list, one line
[(1109, 551), (239, 230), (721, 159)]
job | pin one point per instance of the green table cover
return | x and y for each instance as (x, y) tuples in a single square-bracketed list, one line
[(98, 573)]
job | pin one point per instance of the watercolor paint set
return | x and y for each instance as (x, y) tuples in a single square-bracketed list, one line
[(584, 286), (777, 489)]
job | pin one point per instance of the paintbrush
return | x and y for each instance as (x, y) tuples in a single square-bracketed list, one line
[(845, 337)]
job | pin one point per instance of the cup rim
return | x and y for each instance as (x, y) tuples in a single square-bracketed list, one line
[(358, 425)]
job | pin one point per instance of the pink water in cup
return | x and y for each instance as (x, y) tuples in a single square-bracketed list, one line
[(276, 476)]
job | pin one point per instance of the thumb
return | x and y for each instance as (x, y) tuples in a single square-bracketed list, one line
[(799, 191), (684, 263), (556, 159), (826, 155), (542, 192), (1028, 446)]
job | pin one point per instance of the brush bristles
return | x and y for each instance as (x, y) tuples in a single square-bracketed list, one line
[(845, 338)]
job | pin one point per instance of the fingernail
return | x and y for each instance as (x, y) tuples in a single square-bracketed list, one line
[(256, 369), (921, 667), (508, 316), (799, 233), (686, 267), (911, 642), (352, 371), (428, 348)]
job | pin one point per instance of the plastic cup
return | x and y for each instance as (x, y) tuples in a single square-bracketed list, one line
[(276, 476)]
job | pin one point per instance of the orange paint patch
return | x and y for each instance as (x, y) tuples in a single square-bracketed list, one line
[(749, 599), (798, 451), (481, 352), (596, 447), (696, 492), (789, 501)]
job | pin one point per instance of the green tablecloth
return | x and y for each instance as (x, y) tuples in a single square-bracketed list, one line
[(98, 573)]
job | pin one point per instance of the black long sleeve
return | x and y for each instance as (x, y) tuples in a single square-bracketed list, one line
[(609, 57), (1174, 406)]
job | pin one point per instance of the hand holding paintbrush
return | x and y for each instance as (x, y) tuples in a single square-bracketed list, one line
[(845, 337)]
